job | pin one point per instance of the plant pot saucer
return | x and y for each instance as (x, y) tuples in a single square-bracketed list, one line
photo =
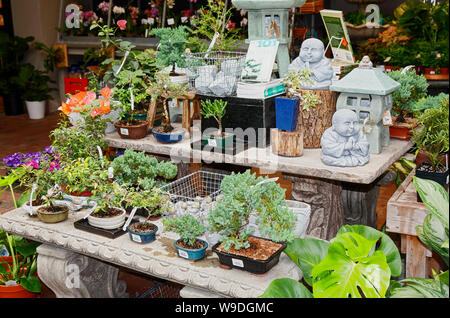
[(84, 225)]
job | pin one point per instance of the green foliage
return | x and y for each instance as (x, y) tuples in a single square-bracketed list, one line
[(107, 195), (420, 288), (433, 135), (242, 195), (429, 102), (402, 168), (297, 80), (150, 200), (187, 226), (286, 288), (33, 83), (137, 169), (216, 109), (172, 43), (413, 87)]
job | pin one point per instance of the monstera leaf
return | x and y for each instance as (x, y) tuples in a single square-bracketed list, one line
[(286, 288), (352, 268), (421, 288)]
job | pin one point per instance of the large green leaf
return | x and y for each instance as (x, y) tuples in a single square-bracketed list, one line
[(421, 288), (286, 288), (307, 253), (387, 246), (432, 234), (32, 284), (351, 269)]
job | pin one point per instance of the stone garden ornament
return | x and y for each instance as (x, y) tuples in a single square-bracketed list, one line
[(344, 144), (312, 57)]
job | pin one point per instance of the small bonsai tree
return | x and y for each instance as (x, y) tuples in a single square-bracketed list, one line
[(297, 80), (217, 110), (242, 194), (152, 201), (414, 87), (432, 136), (172, 43), (138, 170), (187, 226)]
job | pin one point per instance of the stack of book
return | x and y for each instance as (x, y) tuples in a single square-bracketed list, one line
[(341, 69), (260, 90)]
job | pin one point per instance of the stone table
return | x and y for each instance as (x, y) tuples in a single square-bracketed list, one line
[(76, 263), (337, 195)]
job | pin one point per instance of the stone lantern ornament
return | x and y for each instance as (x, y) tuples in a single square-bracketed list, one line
[(263, 17), (367, 91)]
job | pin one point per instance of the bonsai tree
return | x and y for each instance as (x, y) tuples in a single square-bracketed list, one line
[(295, 81), (138, 170), (152, 201), (242, 194), (432, 136), (188, 227), (413, 87), (109, 197), (217, 110), (172, 43)]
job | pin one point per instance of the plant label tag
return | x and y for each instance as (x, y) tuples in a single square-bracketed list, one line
[(151, 21), (237, 262), (184, 19), (387, 118), (170, 21), (212, 143), (432, 72), (3, 251), (124, 131), (183, 254), (136, 238), (111, 172)]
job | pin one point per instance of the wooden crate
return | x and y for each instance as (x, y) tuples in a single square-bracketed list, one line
[(311, 7), (403, 214)]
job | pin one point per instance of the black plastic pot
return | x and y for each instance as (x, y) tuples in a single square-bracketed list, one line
[(248, 264), (439, 177), (13, 104)]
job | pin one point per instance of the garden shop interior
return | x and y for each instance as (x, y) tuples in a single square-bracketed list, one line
[(224, 149)]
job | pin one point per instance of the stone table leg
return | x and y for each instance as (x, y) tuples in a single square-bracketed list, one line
[(72, 275), (360, 201)]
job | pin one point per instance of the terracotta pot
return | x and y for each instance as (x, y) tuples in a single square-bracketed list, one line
[(137, 131), (402, 133), (16, 291), (444, 70)]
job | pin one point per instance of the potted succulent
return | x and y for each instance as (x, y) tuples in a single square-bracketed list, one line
[(150, 202), (142, 172), (18, 278), (217, 110), (162, 87), (245, 194), (172, 43), (432, 139), (189, 228), (413, 87)]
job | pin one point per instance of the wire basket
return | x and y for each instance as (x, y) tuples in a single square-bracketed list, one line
[(215, 72), (195, 186)]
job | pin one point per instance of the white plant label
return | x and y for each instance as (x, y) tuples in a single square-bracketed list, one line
[(212, 143), (136, 238), (130, 217), (184, 19), (110, 172), (170, 21), (183, 254), (237, 262), (387, 118), (124, 131)]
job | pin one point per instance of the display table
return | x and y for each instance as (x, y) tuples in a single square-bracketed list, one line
[(337, 195), (76, 263)]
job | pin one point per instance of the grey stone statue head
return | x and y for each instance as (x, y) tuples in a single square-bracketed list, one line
[(345, 122), (312, 50)]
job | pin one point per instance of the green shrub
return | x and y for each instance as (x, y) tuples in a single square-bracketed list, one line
[(187, 226)]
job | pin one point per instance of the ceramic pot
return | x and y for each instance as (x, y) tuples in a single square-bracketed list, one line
[(401, 133), (191, 254), (142, 237), (15, 291), (36, 110), (137, 131), (107, 223), (169, 137), (219, 142), (179, 79), (51, 217), (286, 113)]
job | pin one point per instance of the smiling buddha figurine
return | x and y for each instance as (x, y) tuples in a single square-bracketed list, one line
[(312, 57), (344, 144)]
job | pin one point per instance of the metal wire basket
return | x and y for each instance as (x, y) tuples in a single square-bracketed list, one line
[(215, 72)]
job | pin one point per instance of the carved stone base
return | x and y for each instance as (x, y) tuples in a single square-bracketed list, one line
[(72, 275)]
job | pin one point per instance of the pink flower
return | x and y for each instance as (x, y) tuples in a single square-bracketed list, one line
[(32, 163), (122, 24)]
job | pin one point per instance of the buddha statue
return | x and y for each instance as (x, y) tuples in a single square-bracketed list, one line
[(344, 144), (312, 57)]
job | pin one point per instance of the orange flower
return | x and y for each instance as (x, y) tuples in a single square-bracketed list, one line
[(106, 92), (95, 112), (66, 109)]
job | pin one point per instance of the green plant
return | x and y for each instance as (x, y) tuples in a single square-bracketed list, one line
[(7, 182), (358, 262), (244, 193), (23, 268), (432, 137), (429, 102), (413, 87), (172, 43), (297, 80), (402, 168), (151, 201), (108, 195), (33, 83), (187, 226), (138, 170), (215, 109)]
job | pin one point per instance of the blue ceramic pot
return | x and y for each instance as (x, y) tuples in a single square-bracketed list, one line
[(191, 254), (168, 137), (286, 112), (142, 237)]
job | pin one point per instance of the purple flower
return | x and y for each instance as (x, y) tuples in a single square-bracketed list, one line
[(49, 150)]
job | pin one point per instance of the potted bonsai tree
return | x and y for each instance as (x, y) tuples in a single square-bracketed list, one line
[(172, 43), (413, 87), (189, 228), (217, 110), (162, 87), (243, 195), (432, 139)]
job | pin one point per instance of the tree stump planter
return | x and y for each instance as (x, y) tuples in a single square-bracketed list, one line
[(246, 259), (287, 143), (316, 120)]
